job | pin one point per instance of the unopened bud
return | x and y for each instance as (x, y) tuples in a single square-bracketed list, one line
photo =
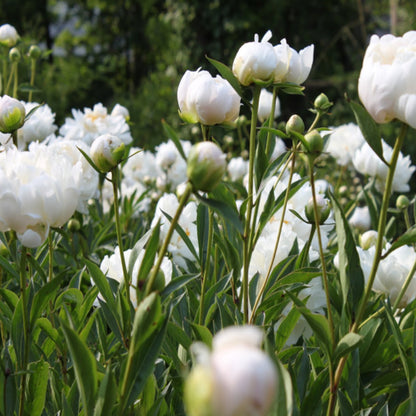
[(160, 281), (402, 202), (315, 143), (107, 151), (322, 103), (8, 35), (323, 210), (206, 166), (34, 52), (367, 239), (14, 55), (12, 114), (74, 225), (295, 124)]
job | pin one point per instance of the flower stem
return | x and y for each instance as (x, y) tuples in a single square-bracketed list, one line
[(271, 118), (115, 182), (32, 77), (246, 235), (164, 247)]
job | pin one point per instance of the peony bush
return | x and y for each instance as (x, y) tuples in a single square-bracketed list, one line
[(264, 268)]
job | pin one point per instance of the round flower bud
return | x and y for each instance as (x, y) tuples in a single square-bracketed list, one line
[(160, 281), (8, 35), (315, 142), (107, 151), (206, 166), (12, 114), (321, 102), (34, 52), (4, 251), (322, 208), (402, 202), (368, 239), (74, 225), (295, 124), (14, 55)]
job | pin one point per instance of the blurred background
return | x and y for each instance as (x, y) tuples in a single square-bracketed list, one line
[(134, 52)]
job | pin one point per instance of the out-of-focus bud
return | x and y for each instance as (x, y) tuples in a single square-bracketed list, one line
[(315, 143), (107, 151), (8, 35), (14, 55), (368, 239), (295, 124), (323, 209), (402, 202), (322, 103), (206, 166), (74, 225), (12, 114), (34, 52)]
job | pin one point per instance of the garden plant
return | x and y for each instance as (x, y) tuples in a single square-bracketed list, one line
[(263, 267)]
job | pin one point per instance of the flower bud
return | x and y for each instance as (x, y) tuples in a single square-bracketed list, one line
[(322, 208), (12, 114), (74, 225), (160, 281), (368, 239), (295, 124), (14, 55), (34, 52), (402, 202), (206, 166), (107, 151), (315, 142), (8, 35), (321, 102)]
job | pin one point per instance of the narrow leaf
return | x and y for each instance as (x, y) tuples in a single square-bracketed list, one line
[(346, 344)]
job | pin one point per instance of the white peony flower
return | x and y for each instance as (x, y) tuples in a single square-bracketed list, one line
[(12, 114), (237, 168), (255, 61), (386, 84), (265, 105), (180, 252), (360, 219), (367, 162), (38, 190), (291, 65), (207, 100), (87, 125), (236, 379), (343, 141), (38, 126), (8, 35)]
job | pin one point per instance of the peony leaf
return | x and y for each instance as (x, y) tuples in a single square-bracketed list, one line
[(369, 128), (346, 344)]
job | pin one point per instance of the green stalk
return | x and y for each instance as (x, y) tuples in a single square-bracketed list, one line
[(11, 76), (271, 119), (115, 182), (206, 270), (164, 247), (25, 329), (32, 77), (377, 257), (247, 233), (50, 252)]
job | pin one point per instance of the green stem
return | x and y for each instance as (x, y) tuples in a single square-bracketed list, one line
[(50, 250), (246, 235), (376, 261), (279, 233), (271, 119), (206, 270), (11, 76), (25, 329), (32, 77), (15, 82), (164, 247), (115, 182)]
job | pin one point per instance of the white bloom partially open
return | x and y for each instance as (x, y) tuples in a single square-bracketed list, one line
[(207, 100), (8, 35), (255, 61), (386, 84)]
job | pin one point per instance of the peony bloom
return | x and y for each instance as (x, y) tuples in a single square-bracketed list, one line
[(8, 35), (386, 84), (107, 151), (367, 162), (236, 379), (207, 100), (265, 105), (360, 219), (255, 61), (237, 168), (206, 166), (12, 114), (343, 141), (292, 66)]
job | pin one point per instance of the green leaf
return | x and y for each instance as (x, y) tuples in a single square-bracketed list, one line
[(85, 368), (89, 160), (174, 137), (107, 395), (351, 274), (203, 333), (369, 128), (346, 344), (224, 210), (284, 400), (38, 383), (227, 74)]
